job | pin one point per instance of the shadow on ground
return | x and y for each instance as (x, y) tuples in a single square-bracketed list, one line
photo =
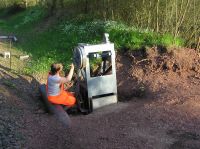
[(24, 122), (19, 96)]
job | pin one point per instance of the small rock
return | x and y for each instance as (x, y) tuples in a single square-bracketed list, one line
[(10, 136), (1, 128), (24, 57)]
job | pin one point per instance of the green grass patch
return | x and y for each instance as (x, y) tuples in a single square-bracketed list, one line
[(122, 35), (55, 43)]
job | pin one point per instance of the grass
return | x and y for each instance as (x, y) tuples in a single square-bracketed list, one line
[(55, 43)]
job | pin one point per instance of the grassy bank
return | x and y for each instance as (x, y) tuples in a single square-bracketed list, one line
[(50, 40)]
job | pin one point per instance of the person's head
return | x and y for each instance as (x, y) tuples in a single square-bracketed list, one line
[(55, 68)]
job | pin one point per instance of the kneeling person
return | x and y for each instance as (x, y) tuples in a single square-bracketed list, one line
[(55, 86)]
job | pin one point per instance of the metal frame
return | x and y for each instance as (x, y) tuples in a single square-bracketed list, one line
[(102, 90)]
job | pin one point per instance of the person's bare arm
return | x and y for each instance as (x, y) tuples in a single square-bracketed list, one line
[(69, 76)]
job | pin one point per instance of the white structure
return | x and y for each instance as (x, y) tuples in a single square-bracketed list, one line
[(24, 57), (6, 54), (101, 88)]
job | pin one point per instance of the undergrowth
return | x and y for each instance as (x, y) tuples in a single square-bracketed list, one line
[(55, 43)]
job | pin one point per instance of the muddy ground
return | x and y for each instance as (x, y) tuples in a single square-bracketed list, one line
[(159, 108)]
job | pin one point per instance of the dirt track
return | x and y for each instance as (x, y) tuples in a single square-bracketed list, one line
[(159, 108)]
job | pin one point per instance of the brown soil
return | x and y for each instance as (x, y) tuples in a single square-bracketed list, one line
[(159, 108)]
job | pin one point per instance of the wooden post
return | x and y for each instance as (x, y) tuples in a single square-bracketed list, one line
[(26, 4), (10, 55)]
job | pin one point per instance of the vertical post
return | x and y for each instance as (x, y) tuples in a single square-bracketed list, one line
[(195, 22), (157, 16), (26, 4), (86, 6), (10, 55)]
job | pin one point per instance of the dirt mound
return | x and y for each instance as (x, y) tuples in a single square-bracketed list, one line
[(165, 116), (151, 71)]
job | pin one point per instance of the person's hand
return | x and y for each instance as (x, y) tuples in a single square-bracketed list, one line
[(72, 66), (68, 85)]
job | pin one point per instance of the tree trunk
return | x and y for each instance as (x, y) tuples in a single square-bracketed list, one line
[(157, 17), (86, 6)]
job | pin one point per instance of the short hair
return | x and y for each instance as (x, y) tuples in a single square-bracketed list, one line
[(55, 68)]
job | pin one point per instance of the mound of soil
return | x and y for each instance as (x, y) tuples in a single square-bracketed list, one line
[(155, 70), (159, 107)]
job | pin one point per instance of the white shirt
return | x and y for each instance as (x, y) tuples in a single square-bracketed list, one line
[(54, 85)]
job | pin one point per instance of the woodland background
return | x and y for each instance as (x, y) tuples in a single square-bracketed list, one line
[(177, 17)]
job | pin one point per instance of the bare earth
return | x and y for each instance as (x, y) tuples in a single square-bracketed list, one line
[(159, 108)]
